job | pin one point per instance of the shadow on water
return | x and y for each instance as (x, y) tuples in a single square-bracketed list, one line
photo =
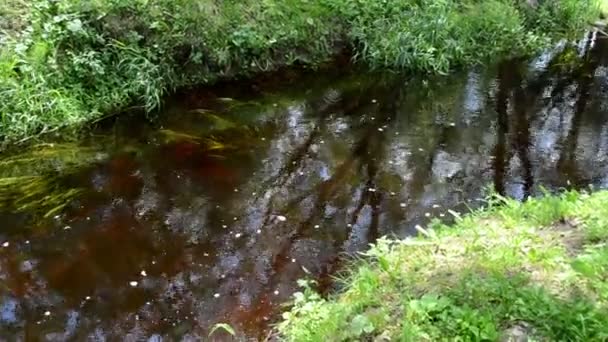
[(212, 214)]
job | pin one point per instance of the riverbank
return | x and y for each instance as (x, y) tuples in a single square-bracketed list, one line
[(66, 63), (535, 269)]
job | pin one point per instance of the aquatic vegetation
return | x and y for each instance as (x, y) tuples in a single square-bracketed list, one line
[(568, 60), (44, 158), (537, 265), (216, 121), (31, 182), (35, 195), (207, 143), (171, 136), (64, 63)]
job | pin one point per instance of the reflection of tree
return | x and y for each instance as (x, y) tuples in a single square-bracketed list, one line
[(522, 131), (365, 155), (522, 97), (511, 91), (567, 163), (500, 149)]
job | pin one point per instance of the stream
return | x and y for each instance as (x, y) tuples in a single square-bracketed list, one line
[(151, 230)]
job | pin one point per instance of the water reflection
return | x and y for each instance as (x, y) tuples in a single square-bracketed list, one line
[(214, 215)]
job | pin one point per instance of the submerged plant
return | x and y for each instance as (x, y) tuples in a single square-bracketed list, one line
[(32, 182), (37, 195)]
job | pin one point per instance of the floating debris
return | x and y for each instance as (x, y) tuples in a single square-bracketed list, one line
[(143, 273), (402, 205), (281, 218), (217, 295), (133, 283), (237, 235), (6, 244)]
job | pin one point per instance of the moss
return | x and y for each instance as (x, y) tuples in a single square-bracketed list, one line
[(539, 264)]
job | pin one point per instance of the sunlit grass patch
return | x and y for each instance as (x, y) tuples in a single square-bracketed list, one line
[(538, 266)]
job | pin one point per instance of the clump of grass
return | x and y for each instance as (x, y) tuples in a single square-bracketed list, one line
[(540, 266), (67, 62)]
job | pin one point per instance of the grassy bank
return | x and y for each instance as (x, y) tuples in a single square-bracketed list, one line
[(67, 62), (537, 269)]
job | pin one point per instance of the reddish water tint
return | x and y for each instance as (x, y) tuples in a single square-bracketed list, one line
[(212, 215)]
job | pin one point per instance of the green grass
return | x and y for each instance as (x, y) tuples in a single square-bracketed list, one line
[(64, 63), (541, 266)]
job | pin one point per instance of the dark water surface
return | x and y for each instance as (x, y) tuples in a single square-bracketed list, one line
[(212, 214)]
